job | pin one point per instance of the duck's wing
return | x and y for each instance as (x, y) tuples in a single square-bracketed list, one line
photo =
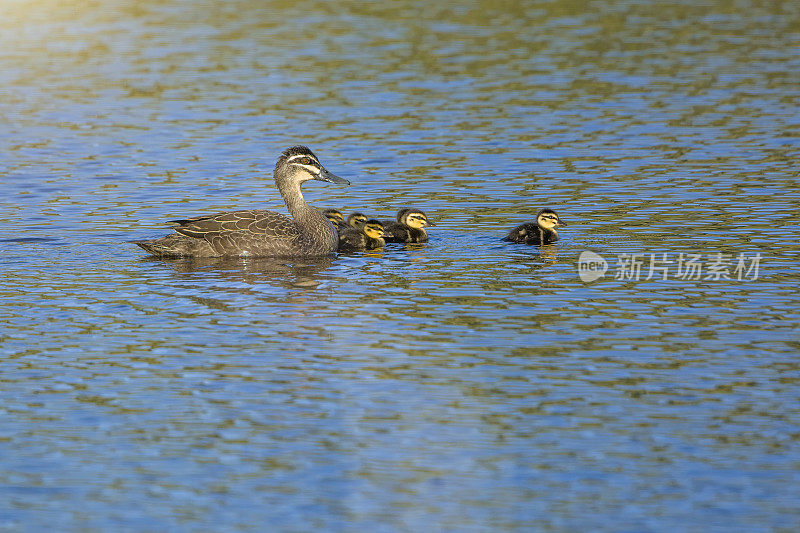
[(250, 222), (252, 231)]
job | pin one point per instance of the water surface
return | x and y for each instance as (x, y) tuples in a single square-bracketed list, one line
[(463, 385)]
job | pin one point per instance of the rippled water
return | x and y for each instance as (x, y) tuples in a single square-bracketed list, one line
[(465, 384)]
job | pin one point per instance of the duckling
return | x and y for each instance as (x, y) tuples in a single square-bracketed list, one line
[(543, 231), (399, 215), (257, 232), (398, 218), (335, 216), (410, 227), (355, 220), (368, 236)]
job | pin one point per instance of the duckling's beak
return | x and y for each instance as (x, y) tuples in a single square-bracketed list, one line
[(329, 177), (429, 223), (561, 223)]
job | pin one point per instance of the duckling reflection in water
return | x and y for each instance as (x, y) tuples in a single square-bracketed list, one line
[(409, 227), (369, 236), (543, 231), (257, 232)]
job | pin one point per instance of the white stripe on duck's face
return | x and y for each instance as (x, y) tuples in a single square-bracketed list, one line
[(307, 162)]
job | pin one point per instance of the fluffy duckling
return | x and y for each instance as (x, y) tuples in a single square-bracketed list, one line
[(543, 231), (368, 236), (410, 227), (335, 216), (355, 220)]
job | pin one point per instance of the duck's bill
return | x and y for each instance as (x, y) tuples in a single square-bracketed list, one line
[(561, 222), (329, 177)]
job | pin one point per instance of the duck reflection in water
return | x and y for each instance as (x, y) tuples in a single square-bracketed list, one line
[(243, 274)]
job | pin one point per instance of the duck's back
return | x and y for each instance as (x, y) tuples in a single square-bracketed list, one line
[(253, 232)]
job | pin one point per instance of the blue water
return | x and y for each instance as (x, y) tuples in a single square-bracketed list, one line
[(466, 384)]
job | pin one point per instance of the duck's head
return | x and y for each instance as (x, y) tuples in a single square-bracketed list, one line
[(548, 219), (357, 220), (334, 215), (299, 164), (373, 228), (413, 218)]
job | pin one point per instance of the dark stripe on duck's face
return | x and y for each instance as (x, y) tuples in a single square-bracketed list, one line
[(311, 164), (416, 221), (549, 220), (374, 230)]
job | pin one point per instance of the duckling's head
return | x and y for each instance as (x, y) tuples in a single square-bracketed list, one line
[(334, 215), (373, 228), (401, 213), (298, 164), (414, 218), (357, 220), (548, 219)]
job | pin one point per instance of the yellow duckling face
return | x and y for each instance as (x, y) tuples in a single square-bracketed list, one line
[(357, 220), (334, 215), (416, 219), (548, 219), (373, 229)]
